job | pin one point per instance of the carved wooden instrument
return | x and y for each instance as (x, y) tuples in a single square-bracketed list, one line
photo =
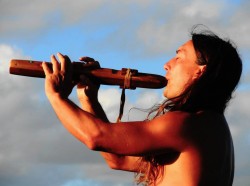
[(125, 78)]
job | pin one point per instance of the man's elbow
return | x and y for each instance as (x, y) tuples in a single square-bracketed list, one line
[(93, 142), (114, 165)]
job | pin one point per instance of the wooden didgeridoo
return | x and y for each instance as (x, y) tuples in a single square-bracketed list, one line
[(104, 76)]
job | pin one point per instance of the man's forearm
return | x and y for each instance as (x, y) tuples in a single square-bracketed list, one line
[(94, 108), (81, 124)]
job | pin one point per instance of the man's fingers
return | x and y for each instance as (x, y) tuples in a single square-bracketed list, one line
[(65, 62), (62, 61), (46, 69), (90, 62), (55, 64), (87, 59)]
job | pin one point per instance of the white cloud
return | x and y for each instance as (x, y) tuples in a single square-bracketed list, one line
[(239, 25), (238, 113), (161, 32), (110, 101), (109, 97), (7, 53), (29, 18), (208, 10)]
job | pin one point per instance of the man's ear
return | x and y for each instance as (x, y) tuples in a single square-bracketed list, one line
[(200, 71)]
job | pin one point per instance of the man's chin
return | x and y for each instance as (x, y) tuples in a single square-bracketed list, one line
[(167, 95)]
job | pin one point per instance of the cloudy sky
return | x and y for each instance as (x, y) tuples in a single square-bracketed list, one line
[(141, 34)]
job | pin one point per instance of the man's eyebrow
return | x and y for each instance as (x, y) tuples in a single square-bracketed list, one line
[(180, 50)]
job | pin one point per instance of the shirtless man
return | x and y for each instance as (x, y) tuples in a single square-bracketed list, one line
[(188, 144)]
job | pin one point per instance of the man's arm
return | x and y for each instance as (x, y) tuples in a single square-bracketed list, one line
[(91, 104)]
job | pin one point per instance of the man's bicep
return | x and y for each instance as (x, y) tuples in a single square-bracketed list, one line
[(140, 138), (169, 129)]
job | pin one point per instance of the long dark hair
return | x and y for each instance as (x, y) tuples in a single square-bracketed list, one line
[(211, 91)]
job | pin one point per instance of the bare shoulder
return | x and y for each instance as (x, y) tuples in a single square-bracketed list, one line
[(185, 121), (174, 119), (201, 127), (205, 125)]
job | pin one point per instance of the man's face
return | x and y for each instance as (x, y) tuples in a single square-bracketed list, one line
[(182, 70)]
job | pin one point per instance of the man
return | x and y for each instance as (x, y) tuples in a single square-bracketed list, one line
[(188, 143)]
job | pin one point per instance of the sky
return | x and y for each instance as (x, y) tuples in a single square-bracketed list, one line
[(141, 34)]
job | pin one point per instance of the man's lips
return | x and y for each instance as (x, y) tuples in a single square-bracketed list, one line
[(167, 76)]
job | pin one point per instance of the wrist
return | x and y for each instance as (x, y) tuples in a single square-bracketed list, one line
[(88, 101), (54, 97)]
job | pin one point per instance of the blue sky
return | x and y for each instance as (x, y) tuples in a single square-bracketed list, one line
[(140, 34)]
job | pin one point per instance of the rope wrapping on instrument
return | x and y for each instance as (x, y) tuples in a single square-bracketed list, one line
[(127, 79), (127, 84)]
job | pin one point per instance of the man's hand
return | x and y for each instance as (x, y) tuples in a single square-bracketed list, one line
[(59, 78), (87, 89)]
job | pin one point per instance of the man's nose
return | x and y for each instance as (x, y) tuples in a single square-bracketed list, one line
[(167, 65)]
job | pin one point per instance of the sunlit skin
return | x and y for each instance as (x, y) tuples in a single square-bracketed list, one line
[(182, 70), (201, 140)]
